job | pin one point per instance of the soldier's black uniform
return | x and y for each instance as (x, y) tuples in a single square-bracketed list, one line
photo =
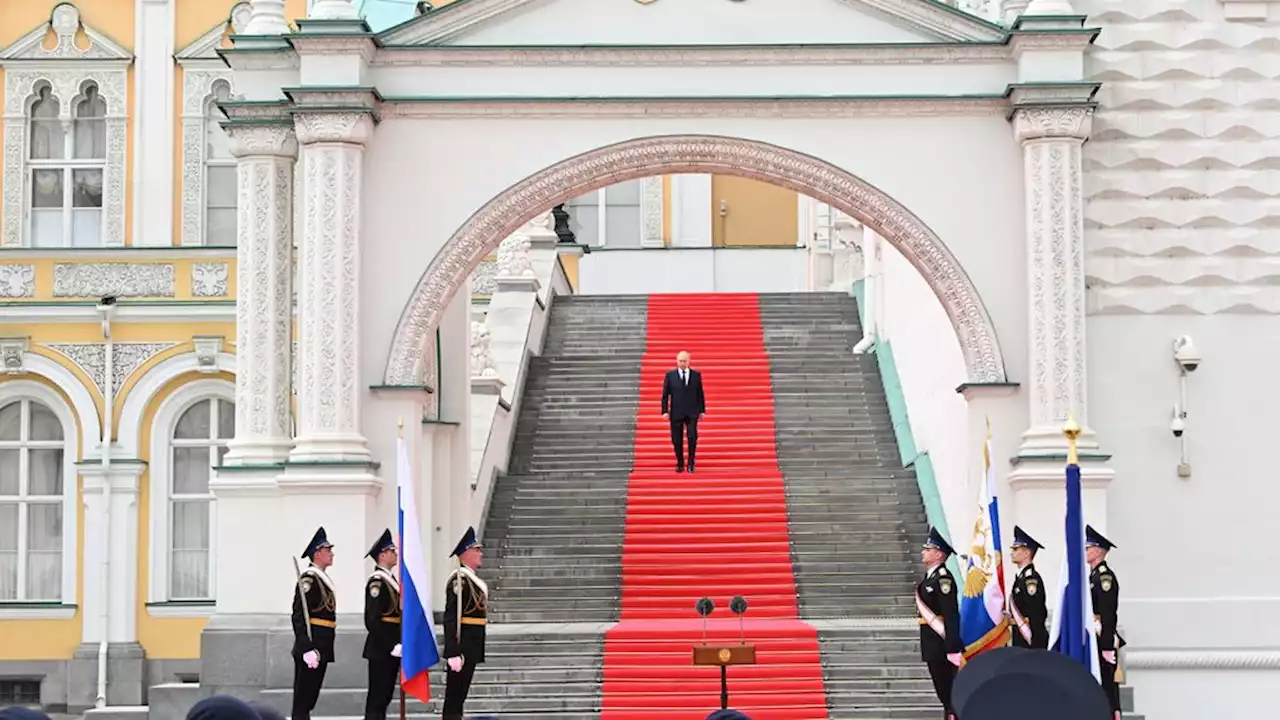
[(1030, 615), (313, 630), (1104, 590), (939, 622), (382, 621), (465, 638)]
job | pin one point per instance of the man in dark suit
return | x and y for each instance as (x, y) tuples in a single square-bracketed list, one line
[(683, 402), (315, 624), (466, 601), (939, 612), (382, 622), (1026, 602)]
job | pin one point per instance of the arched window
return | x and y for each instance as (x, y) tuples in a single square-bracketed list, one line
[(198, 443), (220, 173), (32, 478), (67, 162)]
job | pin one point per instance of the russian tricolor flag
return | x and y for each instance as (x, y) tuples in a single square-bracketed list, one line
[(418, 636), (1072, 631)]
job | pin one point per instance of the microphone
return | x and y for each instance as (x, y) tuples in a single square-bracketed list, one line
[(704, 607), (738, 605)]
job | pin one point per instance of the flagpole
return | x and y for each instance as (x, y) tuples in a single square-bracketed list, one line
[(400, 568)]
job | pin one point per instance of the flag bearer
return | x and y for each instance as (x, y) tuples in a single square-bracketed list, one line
[(465, 616), (382, 621), (1104, 590), (315, 623), (941, 647), (1026, 602)]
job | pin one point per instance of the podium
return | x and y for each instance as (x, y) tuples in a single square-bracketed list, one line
[(724, 655)]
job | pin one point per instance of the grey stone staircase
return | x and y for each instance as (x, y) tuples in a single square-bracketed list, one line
[(857, 518), (553, 536)]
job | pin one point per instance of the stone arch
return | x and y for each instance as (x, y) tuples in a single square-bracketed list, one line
[(414, 337)]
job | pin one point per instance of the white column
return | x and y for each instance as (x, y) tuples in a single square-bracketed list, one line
[(1049, 7), (329, 387), (1010, 10), (651, 212), (691, 212), (1052, 140), (264, 313), (122, 570), (153, 123), (267, 18)]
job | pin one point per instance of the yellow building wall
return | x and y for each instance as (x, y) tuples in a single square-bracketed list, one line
[(758, 214)]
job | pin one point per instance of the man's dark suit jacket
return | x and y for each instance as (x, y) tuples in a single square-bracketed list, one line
[(684, 402)]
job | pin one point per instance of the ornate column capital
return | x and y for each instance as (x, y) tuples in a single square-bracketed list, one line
[(263, 140), (353, 127), (1041, 122), (266, 17)]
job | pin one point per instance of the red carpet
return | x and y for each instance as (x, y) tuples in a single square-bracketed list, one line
[(718, 533)]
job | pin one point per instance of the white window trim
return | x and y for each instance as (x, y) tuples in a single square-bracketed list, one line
[(201, 70), (161, 464), (67, 165), (66, 67), (10, 391)]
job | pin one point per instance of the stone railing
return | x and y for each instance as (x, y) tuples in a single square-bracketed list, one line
[(527, 278)]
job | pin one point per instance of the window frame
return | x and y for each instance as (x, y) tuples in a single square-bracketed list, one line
[(67, 165), (212, 117), (169, 412), (64, 606), (201, 76)]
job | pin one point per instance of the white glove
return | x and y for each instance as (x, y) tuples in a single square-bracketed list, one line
[(395, 651), (312, 659), (1109, 656), (955, 658), (455, 663)]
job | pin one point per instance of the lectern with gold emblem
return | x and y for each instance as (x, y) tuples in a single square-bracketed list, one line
[(724, 655)]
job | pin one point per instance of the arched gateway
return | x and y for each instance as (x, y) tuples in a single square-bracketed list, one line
[(483, 231), (403, 157)]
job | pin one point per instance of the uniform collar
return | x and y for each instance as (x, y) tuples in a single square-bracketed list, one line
[(315, 571), (387, 577), (471, 575)]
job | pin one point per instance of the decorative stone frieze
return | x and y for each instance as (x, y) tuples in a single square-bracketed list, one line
[(482, 365), (17, 281), (94, 280), (1052, 139), (125, 358), (651, 211), (482, 278), (264, 278), (210, 279), (513, 256)]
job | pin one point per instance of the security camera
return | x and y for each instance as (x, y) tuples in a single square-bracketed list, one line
[(1186, 353), (107, 300), (1177, 426)]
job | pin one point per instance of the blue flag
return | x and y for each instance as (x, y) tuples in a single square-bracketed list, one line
[(1072, 631)]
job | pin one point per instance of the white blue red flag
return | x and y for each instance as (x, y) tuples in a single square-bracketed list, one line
[(418, 648), (983, 624), (1072, 630)]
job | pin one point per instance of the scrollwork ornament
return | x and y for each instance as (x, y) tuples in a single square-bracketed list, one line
[(1034, 123), (482, 364), (342, 127), (635, 159), (263, 140)]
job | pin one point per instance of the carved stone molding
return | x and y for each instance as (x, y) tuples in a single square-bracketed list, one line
[(482, 365), (113, 278), (17, 281), (12, 355), (65, 24), (634, 159), (800, 108), (264, 140), (513, 256), (1034, 123), (339, 127), (125, 358), (198, 87), (210, 279), (264, 308), (651, 211), (1055, 283), (207, 349), (21, 86), (481, 279)]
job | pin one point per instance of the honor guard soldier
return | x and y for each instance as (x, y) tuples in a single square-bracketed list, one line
[(465, 616), (382, 621), (315, 616), (1104, 590), (940, 645), (1026, 602)]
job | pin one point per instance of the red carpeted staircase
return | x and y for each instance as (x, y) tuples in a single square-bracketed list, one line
[(718, 533)]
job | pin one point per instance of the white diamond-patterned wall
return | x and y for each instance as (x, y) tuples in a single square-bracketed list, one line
[(1181, 181)]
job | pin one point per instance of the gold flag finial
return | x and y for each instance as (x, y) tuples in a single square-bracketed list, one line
[(1072, 430), (400, 428)]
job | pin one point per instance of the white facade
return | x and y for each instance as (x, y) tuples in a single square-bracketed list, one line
[(469, 138)]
